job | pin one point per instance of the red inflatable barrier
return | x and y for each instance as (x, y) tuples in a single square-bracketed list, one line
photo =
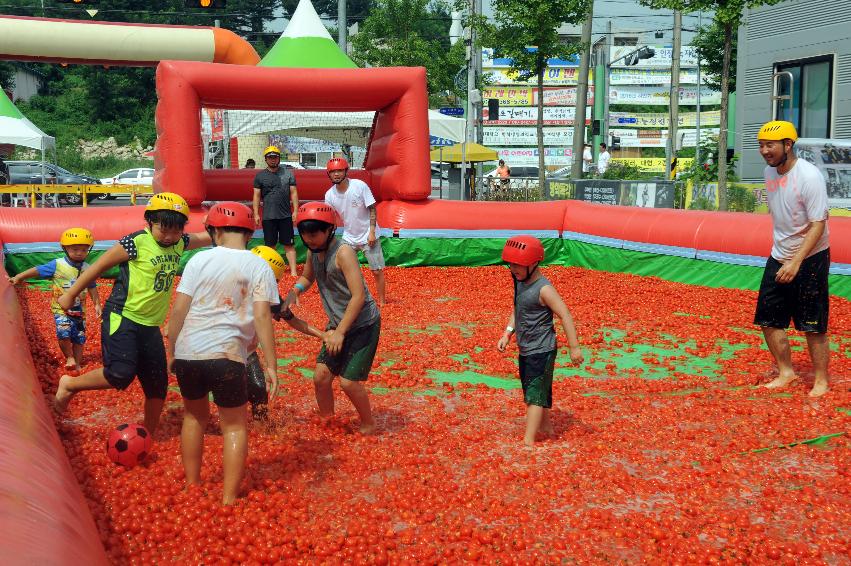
[(455, 215), (238, 184), (24, 225), (44, 518), (397, 154), (735, 233)]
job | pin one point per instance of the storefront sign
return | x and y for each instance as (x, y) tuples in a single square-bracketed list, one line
[(528, 116), (500, 136), (660, 95)]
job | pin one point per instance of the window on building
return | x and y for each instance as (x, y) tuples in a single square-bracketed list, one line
[(811, 85)]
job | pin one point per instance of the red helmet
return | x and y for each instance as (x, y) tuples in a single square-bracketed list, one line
[(230, 214), (336, 163), (316, 211), (523, 250)]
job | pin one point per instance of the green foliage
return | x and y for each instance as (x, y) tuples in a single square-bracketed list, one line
[(706, 43), (410, 33), (625, 172), (521, 24), (7, 75), (740, 199), (355, 9)]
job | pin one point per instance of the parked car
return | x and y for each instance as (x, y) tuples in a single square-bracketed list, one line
[(522, 171), (34, 172), (142, 176), (437, 171)]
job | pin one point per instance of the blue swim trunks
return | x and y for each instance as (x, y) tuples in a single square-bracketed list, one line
[(70, 328)]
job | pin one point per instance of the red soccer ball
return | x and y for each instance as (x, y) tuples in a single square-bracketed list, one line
[(129, 444)]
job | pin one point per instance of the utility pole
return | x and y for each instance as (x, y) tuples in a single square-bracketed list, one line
[(581, 96), (697, 118), (610, 41), (342, 30), (675, 93)]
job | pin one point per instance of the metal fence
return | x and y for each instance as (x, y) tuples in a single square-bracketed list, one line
[(49, 194), (515, 189)]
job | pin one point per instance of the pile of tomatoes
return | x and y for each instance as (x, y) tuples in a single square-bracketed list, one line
[(655, 456)]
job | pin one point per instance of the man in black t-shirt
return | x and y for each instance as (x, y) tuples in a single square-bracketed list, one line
[(275, 186)]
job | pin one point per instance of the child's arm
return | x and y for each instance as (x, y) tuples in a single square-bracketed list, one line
[(266, 335), (93, 295), (550, 298), (347, 261), (506, 336), (301, 285), (198, 240), (110, 258), (24, 275), (301, 325), (179, 311)]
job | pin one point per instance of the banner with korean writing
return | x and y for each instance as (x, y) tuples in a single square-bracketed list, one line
[(528, 116), (658, 138), (552, 76), (633, 76), (660, 95), (645, 194), (660, 120), (652, 164), (528, 156), (528, 96), (497, 135), (662, 56)]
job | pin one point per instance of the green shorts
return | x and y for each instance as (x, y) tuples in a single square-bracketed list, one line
[(536, 375), (355, 358)]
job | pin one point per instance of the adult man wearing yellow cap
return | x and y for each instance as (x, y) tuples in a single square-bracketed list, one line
[(275, 186), (794, 284)]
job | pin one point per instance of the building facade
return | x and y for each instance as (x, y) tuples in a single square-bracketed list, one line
[(809, 40)]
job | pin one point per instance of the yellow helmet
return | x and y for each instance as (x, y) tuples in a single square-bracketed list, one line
[(273, 258), (168, 201), (777, 130), (272, 149), (74, 236)]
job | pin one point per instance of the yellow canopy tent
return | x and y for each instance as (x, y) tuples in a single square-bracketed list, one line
[(455, 153)]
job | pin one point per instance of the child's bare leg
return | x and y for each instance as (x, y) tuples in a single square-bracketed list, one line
[(534, 416), (153, 410), (380, 285), (289, 251), (357, 394), (78, 355), (70, 386), (778, 345), (234, 450), (324, 392), (68, 351), (195, 417), (546, 423)]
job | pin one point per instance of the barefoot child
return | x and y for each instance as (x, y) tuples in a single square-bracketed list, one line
[(131, 342), (354, 322), (258, 395), (535, 301), (70, 324), (221, 309)]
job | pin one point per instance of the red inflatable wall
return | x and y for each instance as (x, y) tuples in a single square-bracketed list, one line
[(238, 184), (455, 215), (44, 518), (397, 157)]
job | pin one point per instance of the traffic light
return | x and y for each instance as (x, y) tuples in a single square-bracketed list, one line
[(639, 55), (78, 1), (595, 127), (205, 4), (493, 109), (616, 143)]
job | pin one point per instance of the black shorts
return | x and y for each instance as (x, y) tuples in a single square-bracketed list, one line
[(355, 358), (129, 350), (279, 230), (805, 300), (223, 377), (536, 377)]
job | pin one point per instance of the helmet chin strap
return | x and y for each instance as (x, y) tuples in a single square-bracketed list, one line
[(345, 176), (212, 232), (325, 247), (529, 272)]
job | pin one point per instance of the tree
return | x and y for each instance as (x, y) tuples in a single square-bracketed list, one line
[(410, 33), (526, 31), (356, 10), (706, 43), (728, 17)]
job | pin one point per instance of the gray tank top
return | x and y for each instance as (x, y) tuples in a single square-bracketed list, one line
[(335, 293), (533, 321)]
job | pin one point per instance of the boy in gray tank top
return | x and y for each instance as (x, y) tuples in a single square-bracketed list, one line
[(535, 301), (354, 323)]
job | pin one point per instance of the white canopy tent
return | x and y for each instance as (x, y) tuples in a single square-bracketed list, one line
[(20, 131), (349, 128)]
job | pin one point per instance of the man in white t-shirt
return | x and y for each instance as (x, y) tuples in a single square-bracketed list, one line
[(221, 309), (794, 284), (587, 158), (354, 202), (603, 159)]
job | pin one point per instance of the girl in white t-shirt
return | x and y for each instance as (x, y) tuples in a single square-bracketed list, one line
[(221, 310)]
